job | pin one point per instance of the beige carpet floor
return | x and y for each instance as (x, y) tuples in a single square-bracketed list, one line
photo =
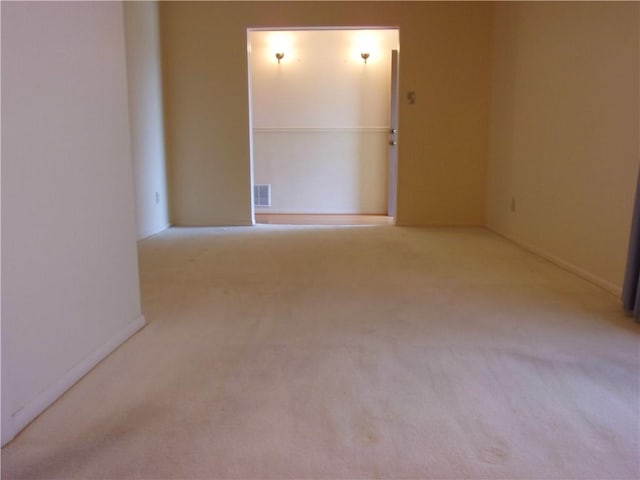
[(352, 352)]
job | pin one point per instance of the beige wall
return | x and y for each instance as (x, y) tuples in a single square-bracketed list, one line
[(315, 171), (564, 132), (70, 291), (443, 137), (146, 116)]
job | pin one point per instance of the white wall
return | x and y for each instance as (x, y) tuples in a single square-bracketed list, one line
[(321, 119), (70, 290), (564, 132), (146, 116)]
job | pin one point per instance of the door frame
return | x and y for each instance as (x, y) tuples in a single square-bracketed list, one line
[(395, 76)]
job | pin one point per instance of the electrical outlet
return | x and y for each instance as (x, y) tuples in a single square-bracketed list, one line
[(513, 204), (157, 198)]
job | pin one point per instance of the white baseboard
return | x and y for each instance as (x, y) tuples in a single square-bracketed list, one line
[(568, 266), (20, 419), (153, 232), (284, 211), (8, 431)]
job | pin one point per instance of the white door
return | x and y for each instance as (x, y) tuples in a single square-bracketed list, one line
[(393, 138)]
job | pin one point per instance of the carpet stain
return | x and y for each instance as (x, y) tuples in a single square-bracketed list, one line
[(490, 448), (495, 454), (365, 428)]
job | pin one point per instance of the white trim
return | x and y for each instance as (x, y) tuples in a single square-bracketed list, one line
[(251, 129), (304, 29), (565, 265), (8, 430), (321, 129), (285, 211), (153, 232), (31, 410)]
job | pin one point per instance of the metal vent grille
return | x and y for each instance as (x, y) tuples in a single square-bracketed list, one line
[(262, 195)]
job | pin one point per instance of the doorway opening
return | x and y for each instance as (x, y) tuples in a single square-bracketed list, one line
[(323, 125)]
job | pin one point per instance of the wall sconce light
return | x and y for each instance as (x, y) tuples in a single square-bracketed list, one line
[(279, 56), (364, 56)]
